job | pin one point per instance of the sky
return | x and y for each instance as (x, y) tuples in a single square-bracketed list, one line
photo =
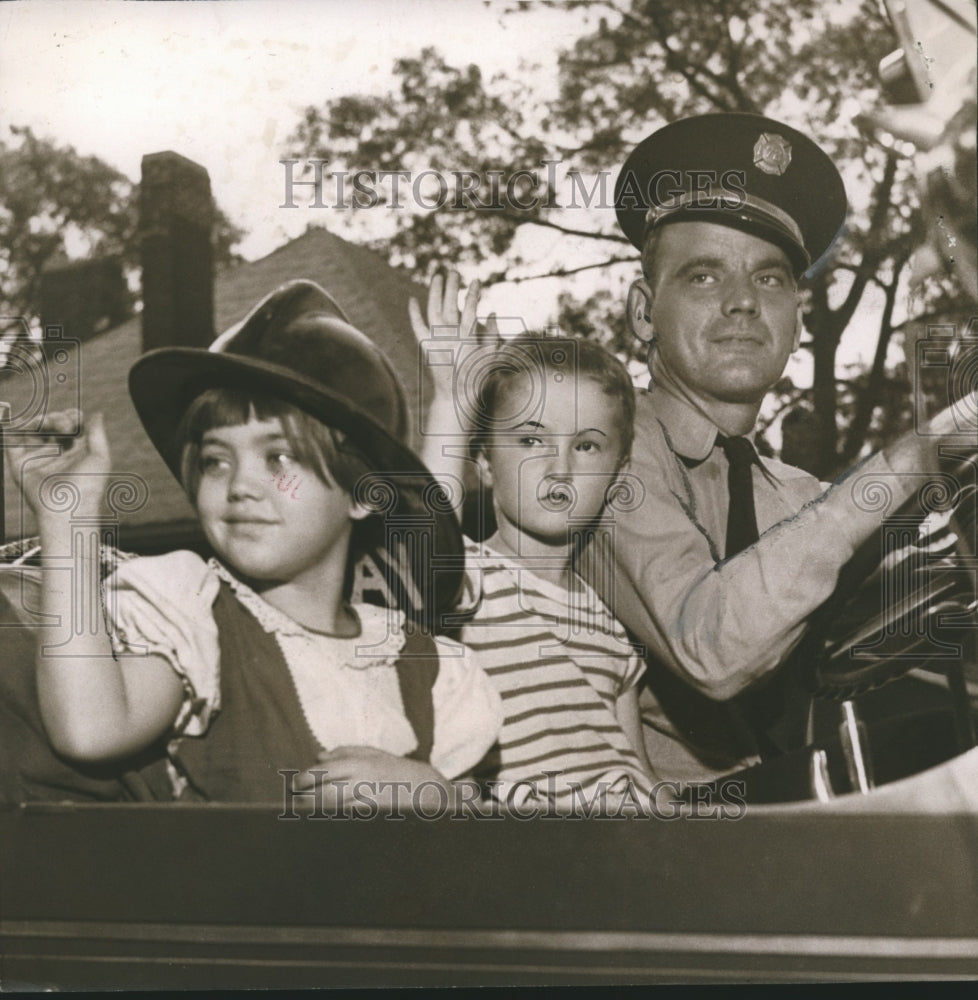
[(224, 83)]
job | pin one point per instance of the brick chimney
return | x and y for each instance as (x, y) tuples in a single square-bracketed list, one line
[(176, 213)]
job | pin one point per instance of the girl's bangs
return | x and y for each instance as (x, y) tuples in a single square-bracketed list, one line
[(229, 407)]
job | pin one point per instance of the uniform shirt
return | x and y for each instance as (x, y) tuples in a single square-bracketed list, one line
[(718, 624), (559, 661)]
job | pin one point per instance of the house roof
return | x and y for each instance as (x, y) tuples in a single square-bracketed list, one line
[(372, 293)]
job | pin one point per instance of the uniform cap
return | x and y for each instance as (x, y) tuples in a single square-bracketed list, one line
[(740, 170)]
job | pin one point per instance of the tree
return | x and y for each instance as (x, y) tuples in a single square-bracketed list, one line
[(56, 204), (637, 65)]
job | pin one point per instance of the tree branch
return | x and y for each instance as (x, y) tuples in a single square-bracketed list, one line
[(566, 230), (502, 277), (691, 73), (859, 426), (872, 258)]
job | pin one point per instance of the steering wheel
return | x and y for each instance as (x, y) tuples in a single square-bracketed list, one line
[(908, 598)]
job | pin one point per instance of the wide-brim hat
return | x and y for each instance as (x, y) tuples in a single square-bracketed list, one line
[(297, 345), (740, 170)]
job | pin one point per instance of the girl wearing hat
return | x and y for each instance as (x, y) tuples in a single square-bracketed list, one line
[(231, 679)]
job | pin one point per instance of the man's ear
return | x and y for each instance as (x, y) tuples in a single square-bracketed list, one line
[(639, 310), (799, 327)]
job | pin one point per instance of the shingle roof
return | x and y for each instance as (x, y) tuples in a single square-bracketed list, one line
[(373, 295)]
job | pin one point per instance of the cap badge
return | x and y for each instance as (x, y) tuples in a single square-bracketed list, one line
[(772, 153)]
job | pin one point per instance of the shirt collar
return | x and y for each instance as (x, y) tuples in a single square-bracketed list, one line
[(691, 433)]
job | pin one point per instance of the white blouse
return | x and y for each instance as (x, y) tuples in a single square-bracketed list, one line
[(348, 688)]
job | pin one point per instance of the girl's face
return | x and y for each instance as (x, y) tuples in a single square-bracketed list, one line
[(552, 469), (267, 515)]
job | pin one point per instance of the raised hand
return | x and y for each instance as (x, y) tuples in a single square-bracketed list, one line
[(442, 312), (442, 308), (85, 459)]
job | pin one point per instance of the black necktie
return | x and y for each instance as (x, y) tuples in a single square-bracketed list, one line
[(741, 520), (757, 709)]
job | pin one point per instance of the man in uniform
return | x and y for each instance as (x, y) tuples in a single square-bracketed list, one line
[(724, 555)]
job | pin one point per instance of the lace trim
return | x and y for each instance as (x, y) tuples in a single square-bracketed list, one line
[(381, 636)]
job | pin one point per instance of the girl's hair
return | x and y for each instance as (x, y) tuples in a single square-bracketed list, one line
[(570, 357), (323, 449), (336, 461)]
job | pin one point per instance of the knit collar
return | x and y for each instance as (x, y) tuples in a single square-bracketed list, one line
[(481, 556)]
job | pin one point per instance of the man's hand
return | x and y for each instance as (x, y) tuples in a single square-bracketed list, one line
[(85, 460)]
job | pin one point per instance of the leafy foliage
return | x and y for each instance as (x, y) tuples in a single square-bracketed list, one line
[(56, 205), (636, 65), (50, 198), (447, 121)]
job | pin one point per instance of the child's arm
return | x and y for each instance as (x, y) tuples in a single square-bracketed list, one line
[(630, 719), (379, 777), (468, 714), (447, 425), (94, 707)]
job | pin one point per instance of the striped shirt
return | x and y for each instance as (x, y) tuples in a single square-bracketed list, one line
[(560, 661)]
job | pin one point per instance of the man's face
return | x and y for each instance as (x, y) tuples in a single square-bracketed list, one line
[(724, 310)]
